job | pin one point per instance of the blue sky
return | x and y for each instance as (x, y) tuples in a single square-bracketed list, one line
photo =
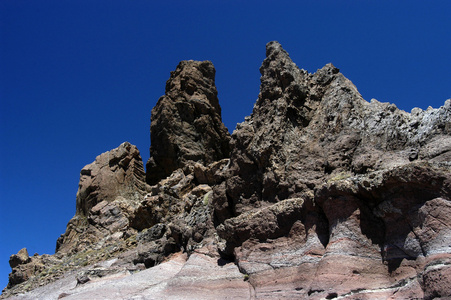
[(78, 78)]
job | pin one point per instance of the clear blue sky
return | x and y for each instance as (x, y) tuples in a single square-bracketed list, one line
[(78, 78)]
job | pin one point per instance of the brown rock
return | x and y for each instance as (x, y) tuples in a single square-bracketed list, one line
[(109, 192), (269, 222), (437, 278), (369, 234), (25, 267), (306, 129), (186, 125), (118, 172), (20, 258)]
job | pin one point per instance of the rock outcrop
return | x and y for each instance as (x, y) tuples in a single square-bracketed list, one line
[(186, 125), (306, 129), (109, 192), (318, 194), (369, 191)]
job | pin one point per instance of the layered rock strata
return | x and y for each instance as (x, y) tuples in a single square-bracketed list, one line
[(324, 196), (109, 192), (330, 196)]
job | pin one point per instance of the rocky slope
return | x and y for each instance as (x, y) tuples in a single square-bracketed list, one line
[(318, 194)]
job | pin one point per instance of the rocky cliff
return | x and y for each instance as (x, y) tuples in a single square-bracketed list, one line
[(318, 194)]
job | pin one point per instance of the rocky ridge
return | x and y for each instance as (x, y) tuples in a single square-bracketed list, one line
[(318, 194)]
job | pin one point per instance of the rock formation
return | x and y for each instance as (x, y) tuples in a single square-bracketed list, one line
[(186, 125), (109, 192), (328, 194), (318, 194)]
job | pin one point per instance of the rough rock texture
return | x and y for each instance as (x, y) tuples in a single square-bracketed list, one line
[(370, 184), (186, 124), (324, 196), (125, 218), (306, 129), (109, 191)]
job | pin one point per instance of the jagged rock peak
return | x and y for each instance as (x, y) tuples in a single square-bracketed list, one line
[(186, 125), (194, 78), (308, 128), (278, 72), (325, 195)]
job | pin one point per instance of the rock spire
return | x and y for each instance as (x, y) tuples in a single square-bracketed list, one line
[(186, 125)]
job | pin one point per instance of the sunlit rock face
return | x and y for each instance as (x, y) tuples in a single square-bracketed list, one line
[(332, 196), (318, 194), (306, 129)]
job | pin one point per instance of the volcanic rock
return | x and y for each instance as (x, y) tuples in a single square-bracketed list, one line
[(178, 278), (324, 196), (118, 172), (186, 125), (20, 258), (306, 129), (370, 175), (109, 191), (25, 268)]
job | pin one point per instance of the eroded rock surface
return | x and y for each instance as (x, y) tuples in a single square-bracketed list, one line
[(178, 278), (186, 125), (324, 196), (109, 192), (368, 189), (306, 129)]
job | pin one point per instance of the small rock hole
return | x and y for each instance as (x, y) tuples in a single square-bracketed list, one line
[(332, 296)]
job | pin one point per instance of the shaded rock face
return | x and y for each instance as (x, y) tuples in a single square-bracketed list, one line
[(372, 238), (324, 196), (186, 124)]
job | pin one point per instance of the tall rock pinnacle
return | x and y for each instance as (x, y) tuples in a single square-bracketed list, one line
[(186, 125)]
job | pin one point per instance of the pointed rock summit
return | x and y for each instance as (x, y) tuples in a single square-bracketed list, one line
[(308, 128), (186, 125)]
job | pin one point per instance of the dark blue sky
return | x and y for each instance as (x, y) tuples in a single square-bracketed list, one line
[(78, 78)]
